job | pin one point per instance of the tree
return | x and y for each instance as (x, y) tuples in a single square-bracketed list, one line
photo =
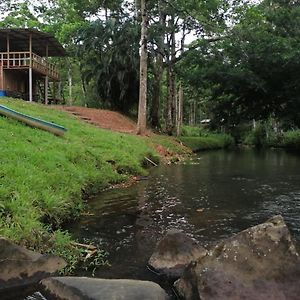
[(158, 36), (171, 22), (108, 52), (142, 110), (252, 74)]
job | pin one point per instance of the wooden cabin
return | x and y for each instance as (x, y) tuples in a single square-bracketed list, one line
[(25, 69)]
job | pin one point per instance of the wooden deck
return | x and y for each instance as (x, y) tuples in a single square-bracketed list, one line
[(23, 60)]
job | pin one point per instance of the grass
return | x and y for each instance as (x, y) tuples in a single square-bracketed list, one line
[(192, 131), (290, 140), (43, 177), (264, 135), (198, 139), (169, 143)]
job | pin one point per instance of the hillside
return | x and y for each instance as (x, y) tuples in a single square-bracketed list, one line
[(43, 177), (105, 119)]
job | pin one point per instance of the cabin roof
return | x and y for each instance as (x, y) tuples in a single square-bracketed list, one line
[(19, 41)]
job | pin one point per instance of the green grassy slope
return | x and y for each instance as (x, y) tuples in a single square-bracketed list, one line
[(197, 139), (43, 177)]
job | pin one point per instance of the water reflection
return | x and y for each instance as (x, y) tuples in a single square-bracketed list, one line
[(210, 198)]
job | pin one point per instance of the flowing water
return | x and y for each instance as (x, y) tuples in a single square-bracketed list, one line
[(210, 197)]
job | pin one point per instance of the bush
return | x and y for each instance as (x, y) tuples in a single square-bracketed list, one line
[(291, 139), (193, 131), (257, 136), (213, 141)]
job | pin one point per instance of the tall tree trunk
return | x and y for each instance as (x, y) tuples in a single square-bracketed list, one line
[(136, 8), (170, 94), (179, 118), (154, 110), (70, 83), (158, 73), (194, 112), (83, 87), (171, 114), (142, 112), (179, 112)]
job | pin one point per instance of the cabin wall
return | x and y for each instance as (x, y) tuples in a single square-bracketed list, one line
[(15, 81)]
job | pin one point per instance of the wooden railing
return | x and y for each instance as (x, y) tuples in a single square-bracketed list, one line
[(19, 60)]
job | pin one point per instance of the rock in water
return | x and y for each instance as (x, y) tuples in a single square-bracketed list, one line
[(258, 263), (19, 266), (174, 252), (81, 288)]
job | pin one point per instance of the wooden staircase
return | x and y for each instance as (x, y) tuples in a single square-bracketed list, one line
[(53, 97)]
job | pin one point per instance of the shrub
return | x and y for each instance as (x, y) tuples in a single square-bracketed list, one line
[(291, 139), (213, 141), (193, 131), (257, 136)]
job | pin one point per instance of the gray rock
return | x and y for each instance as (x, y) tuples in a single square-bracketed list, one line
[(174, 252), (258, 263), (81, 288), (19, 266)]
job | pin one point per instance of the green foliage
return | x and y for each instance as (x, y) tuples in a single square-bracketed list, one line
[(193, 131), (61, 245), (209, 142), (169, 143), (20, 16), (109, 54), (256, 137), (93, 262), (291, 139), (42, 177), (252, 73)]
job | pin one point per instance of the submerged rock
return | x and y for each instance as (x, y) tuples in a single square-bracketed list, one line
[(81, 288), (174, 252), (258, 263), (19, 266)]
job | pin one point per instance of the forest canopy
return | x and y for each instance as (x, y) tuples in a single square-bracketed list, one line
[(227, 61)]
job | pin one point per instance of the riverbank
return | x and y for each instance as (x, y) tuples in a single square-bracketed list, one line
[(44, 177), (198, 139), (289, 140)]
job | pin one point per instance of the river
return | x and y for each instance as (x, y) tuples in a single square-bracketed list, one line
[(210, 197)]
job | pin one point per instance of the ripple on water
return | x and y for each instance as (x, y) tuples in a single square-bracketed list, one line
[(224, 193)]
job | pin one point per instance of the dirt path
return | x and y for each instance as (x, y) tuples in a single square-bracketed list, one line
[(117, 122), (103, 118)]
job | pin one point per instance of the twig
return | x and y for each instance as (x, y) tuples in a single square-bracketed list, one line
[(89, 247), (152, 162), (90, 254)]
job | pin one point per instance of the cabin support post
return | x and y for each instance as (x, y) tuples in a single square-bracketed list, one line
[(30, 69), (1, 78), (7, 49), (59, 91), (47, 77)]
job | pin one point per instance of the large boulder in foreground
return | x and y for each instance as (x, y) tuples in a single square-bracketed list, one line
[(174, 252), (81, 288), (19, 266), (258, 263)]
